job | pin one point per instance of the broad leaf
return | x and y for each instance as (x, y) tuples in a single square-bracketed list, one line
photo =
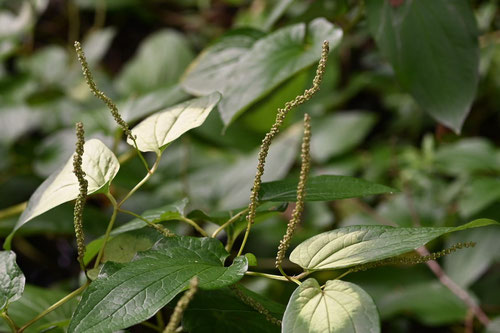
[(355, 245), (11, 279), (269, 62), (33, 302), (339, 307), (164, 213), (211, 70), (339, 133), (221, 310), (100, 166), (322, 188), (159, 62), (139, 289), (158, 130), (433, 48)]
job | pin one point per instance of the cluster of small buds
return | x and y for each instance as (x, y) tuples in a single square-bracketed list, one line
[(82, 196), (412, 260), (280, 117), (161, 229), (255, 305), (301, 192), (99, 94), (181, 306)]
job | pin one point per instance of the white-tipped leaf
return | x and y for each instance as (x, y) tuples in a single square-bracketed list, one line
[(100, 166), (156, 131), (341, 307)]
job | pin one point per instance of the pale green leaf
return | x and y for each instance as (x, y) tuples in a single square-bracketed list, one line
[(355, 245), (136, 291), (159, 62), (434, 50), (321, 188), (11, 279), (100, 166), (340, 307), (158, 130), (268, 63)]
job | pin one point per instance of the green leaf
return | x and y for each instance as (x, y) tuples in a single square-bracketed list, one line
[(221, 310), (139, 289), (269, 62), (11, 279), (34, 301), (478, 194), (100, 166), (165, 213), (160, 62), (339, 133), (339, 307), (158, 130), (433, 48), (355, 245), (210, 71), (321, 188), (252, 259)]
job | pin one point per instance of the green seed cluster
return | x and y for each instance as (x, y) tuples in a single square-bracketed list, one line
[(255, 305), (181, 306), (412, 260), (99, 94), (301, 192), (83, 185), (161, 229), (280, 117)]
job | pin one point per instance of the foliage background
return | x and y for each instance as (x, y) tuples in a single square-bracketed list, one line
[(364, 125)]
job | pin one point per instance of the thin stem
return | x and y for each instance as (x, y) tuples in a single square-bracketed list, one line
[(194, 225), (152, 326), (288, 277), (344, 274), (13, 210), (268, 276), (54, 306), (108, 230), (164, 231), (9, 321), (144, 180), (160, 320), (229, 222)]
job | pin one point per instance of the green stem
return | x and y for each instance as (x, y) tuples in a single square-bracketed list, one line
[(229, 222), (13, 210), (152, 326), (144, 180), (159, 319), (160, 228), (245, 238), (108, 230), (9, 321), (268, 276), (54, 306), (344, 274), (194, 225), (288, 277)]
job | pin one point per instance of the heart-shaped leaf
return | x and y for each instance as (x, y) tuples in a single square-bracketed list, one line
[(360, 244), (137, 290), (156, 131), (321, 188), (100, 166), (269, 62), (11, 279), (339, 307), (434, 50)]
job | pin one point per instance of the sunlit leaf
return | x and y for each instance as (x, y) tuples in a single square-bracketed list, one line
[(11, 279), (355, 245), (158, 130), (339, 307), (100, 166)]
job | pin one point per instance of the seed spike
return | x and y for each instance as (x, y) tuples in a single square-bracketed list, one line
[(181, 306), (83, 185)]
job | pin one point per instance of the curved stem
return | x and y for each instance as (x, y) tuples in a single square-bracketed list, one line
[(144, 180), (194, 225), (13, 210), (245, 238), (229, 222), (288, 277), (54, 306), (157, 226), (9, 321), (269, 276), (108, 230)]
